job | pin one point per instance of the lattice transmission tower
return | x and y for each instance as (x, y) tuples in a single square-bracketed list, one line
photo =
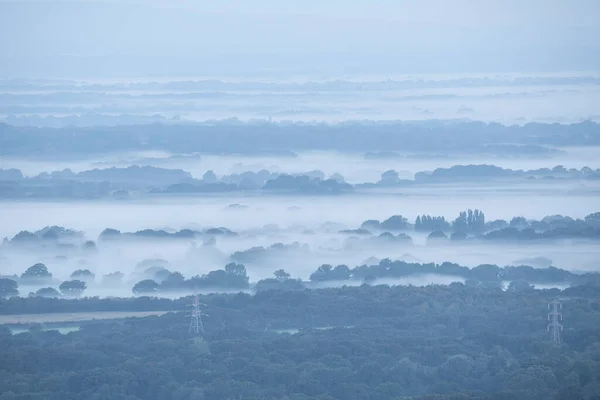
[(196, 325), (554, 316)]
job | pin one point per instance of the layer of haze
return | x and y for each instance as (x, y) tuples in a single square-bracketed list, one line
[(311, 221), (504, 98), (94, 62)]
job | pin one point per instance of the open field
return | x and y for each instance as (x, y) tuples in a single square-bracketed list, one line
[(74, 317)]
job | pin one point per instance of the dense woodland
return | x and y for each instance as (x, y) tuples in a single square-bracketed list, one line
[(247, 138), (450, 342)]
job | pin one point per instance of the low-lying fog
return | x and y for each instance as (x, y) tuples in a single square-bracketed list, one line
[(313, 222), (351, 210), (320, 248), (491, 98)]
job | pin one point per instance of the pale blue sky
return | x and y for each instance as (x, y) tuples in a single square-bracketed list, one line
[(452, 35)]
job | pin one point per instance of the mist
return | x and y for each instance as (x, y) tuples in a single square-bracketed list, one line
[(300, 199)]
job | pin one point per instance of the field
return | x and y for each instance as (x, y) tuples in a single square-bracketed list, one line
[(74, 317)]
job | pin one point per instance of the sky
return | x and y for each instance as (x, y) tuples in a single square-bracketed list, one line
[(49, 38)]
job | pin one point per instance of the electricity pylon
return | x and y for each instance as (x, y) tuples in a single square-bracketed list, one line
[(196, 325), (554, 316)]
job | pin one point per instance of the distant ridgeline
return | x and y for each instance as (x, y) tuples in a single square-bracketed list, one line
[(218, 137), (475, 172), (147, 180)]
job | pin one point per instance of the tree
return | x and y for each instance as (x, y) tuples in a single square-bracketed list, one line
[(395, 223), (83, 275), (73, 288), (276, 284), (8, 288), (236, 270), (90, 246), (593, 219), (281, 275), (455, 368), (109, 234), (338, 178), (469, 221), (212, 279), (159, 274), (209, 177), (175, 281), (460, 223), (341, 273), (24, 238), (427, 223), (519, 222), (519, 286), (236, 275), (389, 177), (322, 273), (147, 286), (437, 236), (371, 224), (46, 292), (37, 272), (486, 272)]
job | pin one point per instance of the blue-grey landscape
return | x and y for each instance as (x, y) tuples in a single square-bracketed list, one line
[(293, 200)]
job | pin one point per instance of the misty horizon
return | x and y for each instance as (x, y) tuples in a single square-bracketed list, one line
[(299, 199)]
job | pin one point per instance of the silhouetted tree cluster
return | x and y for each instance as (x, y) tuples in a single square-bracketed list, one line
[(232, 277), (469, 222), (8, 288), (72, 288), (36, 274), (427, 223), (387, 268), (46, 292)]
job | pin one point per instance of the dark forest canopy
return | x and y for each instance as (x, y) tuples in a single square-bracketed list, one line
[(368, 343), (248, 138)]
